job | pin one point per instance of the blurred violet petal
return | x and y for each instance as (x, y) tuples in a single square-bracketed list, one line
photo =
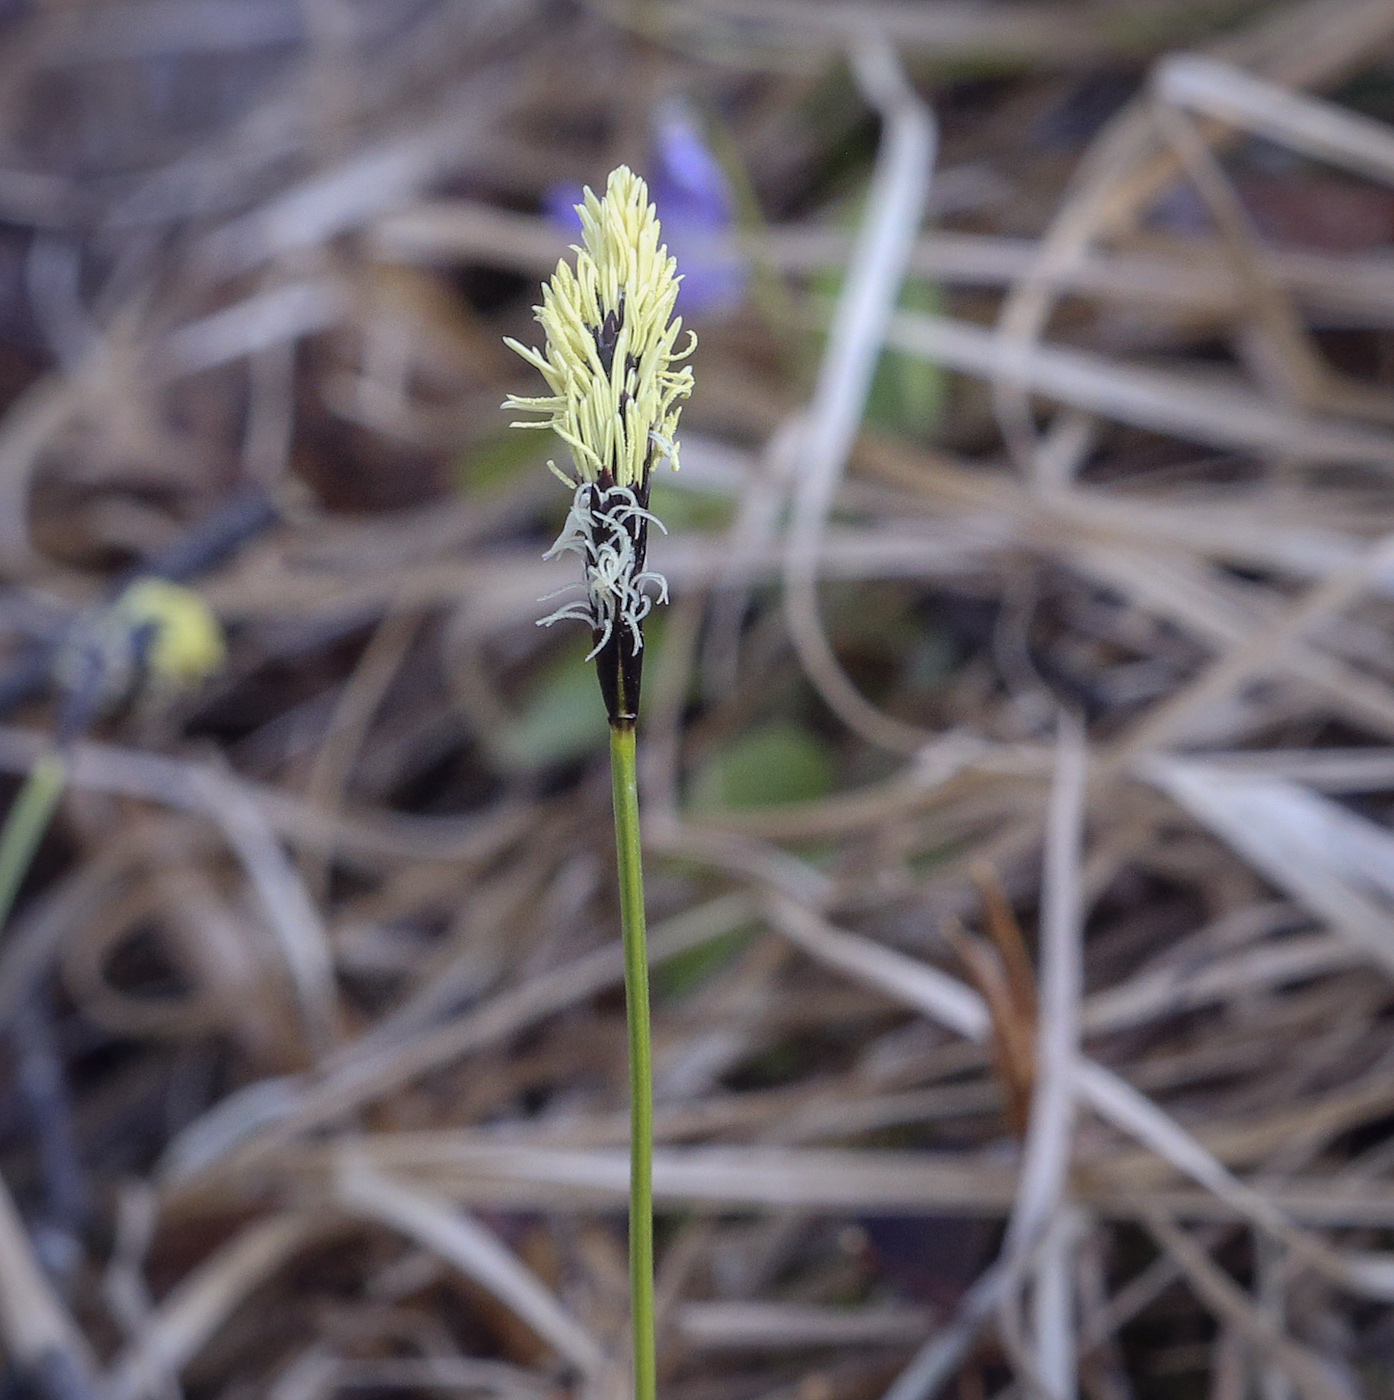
[(559, 204), (687, 174), (697, 208)]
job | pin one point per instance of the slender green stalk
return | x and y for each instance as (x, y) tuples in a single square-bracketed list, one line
[(617, 382), (636, 994), (25, 826)]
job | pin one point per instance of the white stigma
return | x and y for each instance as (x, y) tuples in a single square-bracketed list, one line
[(600, 528)]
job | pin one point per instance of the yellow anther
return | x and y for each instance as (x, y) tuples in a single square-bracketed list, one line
[(611, 357)]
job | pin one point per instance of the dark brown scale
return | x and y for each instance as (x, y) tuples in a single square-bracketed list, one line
[(631, 364), (618, 665), (607, 337)]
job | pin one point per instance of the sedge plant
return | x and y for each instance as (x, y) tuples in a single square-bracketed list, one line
[(614, 367)]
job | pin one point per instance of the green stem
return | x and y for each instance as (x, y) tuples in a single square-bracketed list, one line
[(636, 989), (25, 826)]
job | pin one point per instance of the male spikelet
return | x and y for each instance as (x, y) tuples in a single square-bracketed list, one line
[(617, 382)]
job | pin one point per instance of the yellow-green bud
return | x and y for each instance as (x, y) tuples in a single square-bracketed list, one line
[(186, 643)]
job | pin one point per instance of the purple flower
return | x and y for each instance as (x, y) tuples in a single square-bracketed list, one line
[(559, 204), (696, 207)]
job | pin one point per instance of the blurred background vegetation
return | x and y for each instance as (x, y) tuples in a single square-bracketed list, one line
[(1016, 755)]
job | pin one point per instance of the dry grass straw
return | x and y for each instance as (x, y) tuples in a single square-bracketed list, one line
[(344, 948)]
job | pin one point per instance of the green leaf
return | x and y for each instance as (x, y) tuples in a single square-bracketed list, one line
[(680, 508), (778, 762), (909, 394), (684, 973), (495, 461), (561, 717)]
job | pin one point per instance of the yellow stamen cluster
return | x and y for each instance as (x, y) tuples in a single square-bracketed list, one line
[(611, 359)]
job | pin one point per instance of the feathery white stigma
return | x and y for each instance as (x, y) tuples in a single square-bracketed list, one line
[(604, 536)]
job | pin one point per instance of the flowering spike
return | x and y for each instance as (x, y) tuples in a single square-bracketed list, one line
[(612, 359), (614, 368)]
